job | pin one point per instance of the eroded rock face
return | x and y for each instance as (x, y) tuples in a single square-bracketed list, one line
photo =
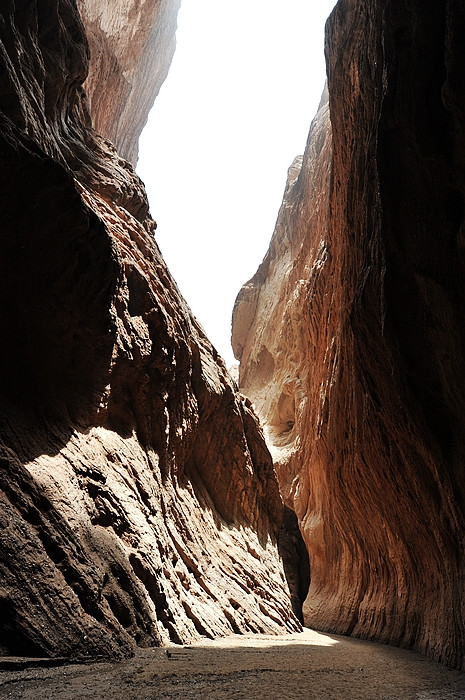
[(351, 334), (131, 47), (138, 503)]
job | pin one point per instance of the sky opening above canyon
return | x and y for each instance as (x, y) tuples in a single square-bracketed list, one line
[(235, 110)]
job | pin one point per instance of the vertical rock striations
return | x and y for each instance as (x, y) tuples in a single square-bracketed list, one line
[(351, 334), (131, 47), (138, 503)]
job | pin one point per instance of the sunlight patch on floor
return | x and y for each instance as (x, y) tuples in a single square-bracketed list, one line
[(307, 637)]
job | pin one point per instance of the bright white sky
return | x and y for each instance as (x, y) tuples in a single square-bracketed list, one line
[(235, 110)]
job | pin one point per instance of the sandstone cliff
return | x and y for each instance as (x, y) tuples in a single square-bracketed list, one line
[(351, 334), (131, 47), (138, 503)]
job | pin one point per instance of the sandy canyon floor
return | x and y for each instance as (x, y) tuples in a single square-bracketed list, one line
[(307, 665)]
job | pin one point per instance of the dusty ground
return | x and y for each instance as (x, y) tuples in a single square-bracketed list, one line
[(307, 665)]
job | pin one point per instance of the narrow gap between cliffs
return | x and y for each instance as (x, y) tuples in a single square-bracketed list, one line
[(228, 123)]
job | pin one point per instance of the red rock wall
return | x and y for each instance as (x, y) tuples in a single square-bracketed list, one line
[(131, 47), (351, 334), (138, 503)]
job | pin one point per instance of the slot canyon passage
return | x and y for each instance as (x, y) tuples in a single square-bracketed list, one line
[(140, 505)]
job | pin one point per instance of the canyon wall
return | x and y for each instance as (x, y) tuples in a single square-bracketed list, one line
[(138, 502), (131, 46), (351, 333)]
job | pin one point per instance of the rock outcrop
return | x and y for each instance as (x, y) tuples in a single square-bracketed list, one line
[(131, 47), (351, 334), (138, 502)]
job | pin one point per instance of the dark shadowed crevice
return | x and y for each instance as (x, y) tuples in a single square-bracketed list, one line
[(14, 640), (295, 560)]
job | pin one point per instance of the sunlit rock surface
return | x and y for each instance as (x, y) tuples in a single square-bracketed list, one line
[(138, 503), (351, 334), (131, 45)]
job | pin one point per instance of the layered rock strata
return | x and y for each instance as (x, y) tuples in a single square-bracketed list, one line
[(131, 47), (351, 334), (138, 502)]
